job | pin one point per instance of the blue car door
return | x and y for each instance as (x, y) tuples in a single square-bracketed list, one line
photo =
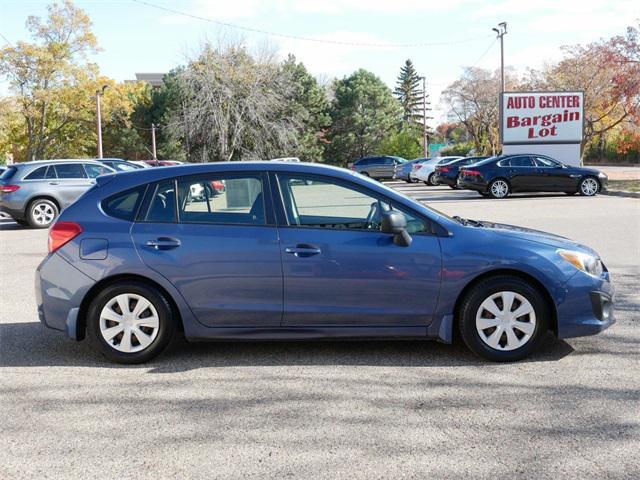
[(340, 270), (216, 242)]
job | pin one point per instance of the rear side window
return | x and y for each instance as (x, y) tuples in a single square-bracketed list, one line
[(162, 208), (124, 205), (38, 174), (70, 170)]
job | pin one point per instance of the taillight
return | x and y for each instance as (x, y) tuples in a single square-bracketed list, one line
[(473, 173), (9, 188), (61, 233), (417, 167), (444, 169)]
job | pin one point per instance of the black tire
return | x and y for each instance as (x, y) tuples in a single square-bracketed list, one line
[(470, 306), (36, 217), (589, 192), (166, 323), (494, 182), (430, 180)]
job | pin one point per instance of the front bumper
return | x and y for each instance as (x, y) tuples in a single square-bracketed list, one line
[(588, 307), (60, 289)]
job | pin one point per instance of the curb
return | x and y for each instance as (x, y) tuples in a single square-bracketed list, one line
[(621, 193)]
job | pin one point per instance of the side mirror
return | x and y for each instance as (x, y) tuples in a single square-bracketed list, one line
[(395, 223)]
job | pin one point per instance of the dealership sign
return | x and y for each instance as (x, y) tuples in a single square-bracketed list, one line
[(541, 117)]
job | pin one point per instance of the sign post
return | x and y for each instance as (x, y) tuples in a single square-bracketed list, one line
[(547, 123)]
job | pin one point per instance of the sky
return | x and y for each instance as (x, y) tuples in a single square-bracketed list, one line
[(333, 38)]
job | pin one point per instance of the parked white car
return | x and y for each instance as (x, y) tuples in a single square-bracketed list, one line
[(424, 172)]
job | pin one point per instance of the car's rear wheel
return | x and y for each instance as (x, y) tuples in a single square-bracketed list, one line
[(431, 180), (498, 188), (589, 186), (131, 321), (41, 213), (503, 318)]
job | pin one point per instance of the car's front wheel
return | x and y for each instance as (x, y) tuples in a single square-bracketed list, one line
[(41, 213), (503, 318), (589, 186), (131, 321)]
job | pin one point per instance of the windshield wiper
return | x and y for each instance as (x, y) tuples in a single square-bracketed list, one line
[(467, 221)]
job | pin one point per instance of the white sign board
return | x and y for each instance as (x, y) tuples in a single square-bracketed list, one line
[(541, 117)]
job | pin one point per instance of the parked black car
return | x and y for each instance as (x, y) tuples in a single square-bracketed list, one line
[(499, 176), (448, 174)]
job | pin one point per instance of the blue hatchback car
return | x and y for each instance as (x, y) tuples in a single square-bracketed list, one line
[(302, 251)]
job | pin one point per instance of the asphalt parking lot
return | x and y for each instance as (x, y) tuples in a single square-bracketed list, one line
[(332, 409)]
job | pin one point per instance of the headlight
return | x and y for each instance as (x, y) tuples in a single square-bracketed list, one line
[(583, 261)]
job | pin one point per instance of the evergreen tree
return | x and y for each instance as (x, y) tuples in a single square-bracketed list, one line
[(409, 93)]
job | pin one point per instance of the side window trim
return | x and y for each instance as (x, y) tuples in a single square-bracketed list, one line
[(283, 220)]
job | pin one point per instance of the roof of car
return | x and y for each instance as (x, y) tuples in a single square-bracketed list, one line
[(59, 160)]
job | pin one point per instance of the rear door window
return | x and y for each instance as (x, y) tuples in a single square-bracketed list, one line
[(70, 170), (94, 171), (222, 199), (521, 162), (162, 208)]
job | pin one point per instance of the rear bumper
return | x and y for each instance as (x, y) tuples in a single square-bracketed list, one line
[(444, 180), (60, 289)]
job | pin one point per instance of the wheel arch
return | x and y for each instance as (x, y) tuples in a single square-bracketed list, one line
[(81, 325), (40, 196), (516, 273), (590, 175)]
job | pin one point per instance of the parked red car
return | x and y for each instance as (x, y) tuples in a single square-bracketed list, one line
[(162, 163)]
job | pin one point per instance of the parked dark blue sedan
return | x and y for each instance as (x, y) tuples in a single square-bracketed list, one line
[(300, 251), (499, 176)]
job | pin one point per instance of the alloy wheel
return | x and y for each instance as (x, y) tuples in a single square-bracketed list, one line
[(129, 323), (432, 180), (589, 187), (499, 189), (43, 213), (505, 321)]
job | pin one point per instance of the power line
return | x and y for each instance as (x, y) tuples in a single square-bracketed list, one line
[(307, 39), (484, 53)]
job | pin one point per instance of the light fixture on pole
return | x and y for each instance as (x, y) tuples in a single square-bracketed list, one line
[(99, 93), (500, 31)]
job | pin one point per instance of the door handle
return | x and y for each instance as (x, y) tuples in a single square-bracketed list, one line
[(303, 250), (163, 243)]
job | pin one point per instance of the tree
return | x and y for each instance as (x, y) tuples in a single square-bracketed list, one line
[(233, 106), (48, 75), (308, 103), (473, 101), (405, 143), (410, 94), (363, 113)]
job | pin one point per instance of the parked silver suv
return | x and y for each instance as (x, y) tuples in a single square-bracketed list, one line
[(34, 193), (377, 167)]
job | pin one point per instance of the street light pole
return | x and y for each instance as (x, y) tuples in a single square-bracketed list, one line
[(500, 31), (99, 93), (425, 141)]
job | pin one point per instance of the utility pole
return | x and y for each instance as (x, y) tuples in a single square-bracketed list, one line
[(99, 93), (500, 31), (153, 141), (425, 140)]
